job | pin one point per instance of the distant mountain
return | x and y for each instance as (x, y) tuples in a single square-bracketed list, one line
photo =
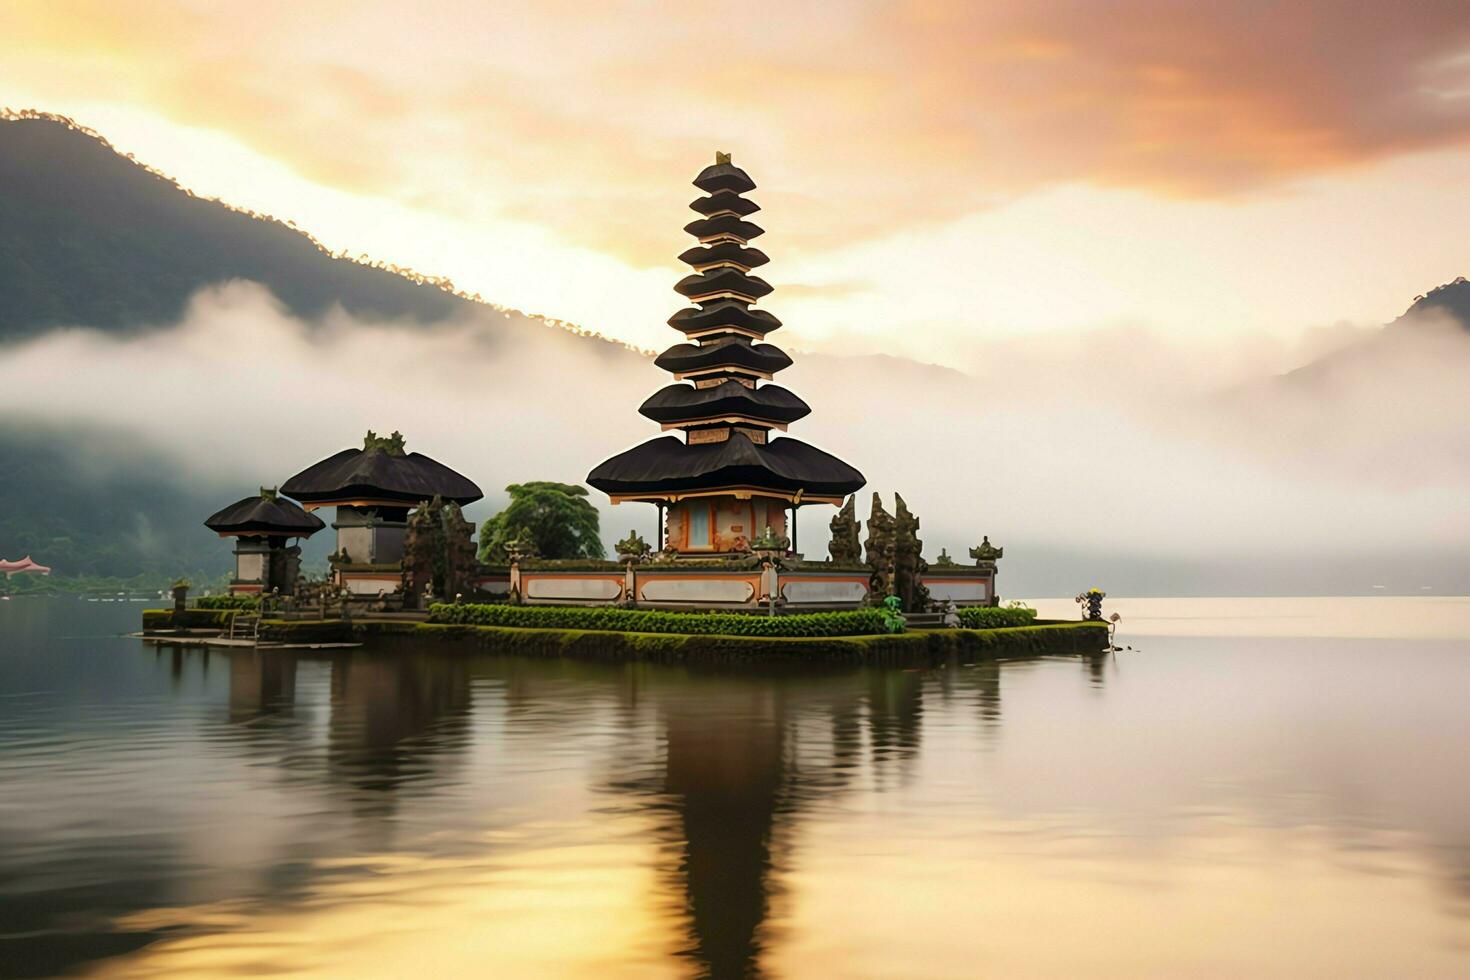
[(1450, 300), (100, 504), (1449, 303), (88, 237), (91, 238)]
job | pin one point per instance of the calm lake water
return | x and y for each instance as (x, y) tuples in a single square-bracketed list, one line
[(1249, 793)]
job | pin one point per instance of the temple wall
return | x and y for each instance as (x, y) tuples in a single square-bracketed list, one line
[(356, 542), (371, 583), (733, 520), (701, 588), (388, 543), (670, 586), (824, 589), (368, 536), (675, 527), (732, 523), (497, 583), (963, 586), (250, 566), (584, 588)]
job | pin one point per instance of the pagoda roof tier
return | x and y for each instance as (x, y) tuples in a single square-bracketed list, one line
[(726, 224), (381, 473), (264, 515), (725, 313), (724, 201), (761, 359), (751, 258), (681, 403), (667, 466), (724, 280), (724, 176)]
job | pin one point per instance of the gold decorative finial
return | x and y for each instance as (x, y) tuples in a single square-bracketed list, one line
[(721, 158)]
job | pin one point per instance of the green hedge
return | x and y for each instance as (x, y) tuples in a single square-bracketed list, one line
[(918, 647), (988, 618), (850, 623), (249, 602), (199, 619)]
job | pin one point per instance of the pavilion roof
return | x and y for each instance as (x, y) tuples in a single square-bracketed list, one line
[(381, 471), (267, 515), (670, 465)]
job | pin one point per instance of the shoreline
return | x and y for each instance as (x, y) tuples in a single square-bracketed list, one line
[(914, 647)]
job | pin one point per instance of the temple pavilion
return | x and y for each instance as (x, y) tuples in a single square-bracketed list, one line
[(373, 489), (263, 526), (726, 475)]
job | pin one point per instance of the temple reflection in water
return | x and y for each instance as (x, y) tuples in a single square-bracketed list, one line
[(725, 768)]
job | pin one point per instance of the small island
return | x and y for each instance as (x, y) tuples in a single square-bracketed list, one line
[(725, 576)]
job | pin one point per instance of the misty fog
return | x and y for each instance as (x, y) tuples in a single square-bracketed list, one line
[(1122, 458)]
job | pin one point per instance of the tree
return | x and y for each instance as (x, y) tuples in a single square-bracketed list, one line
[(557, 517)]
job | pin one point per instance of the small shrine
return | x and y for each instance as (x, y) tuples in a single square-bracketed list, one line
[(263, 527), (373, 489), (726, 478)]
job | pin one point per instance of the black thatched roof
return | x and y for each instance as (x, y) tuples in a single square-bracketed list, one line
[(265, 515), (684, 403), (379, 472), (726, 224), (760, 358), (723, 280), (724, 313), (751, 258), (724, 201), (668, 465), (724, 177)]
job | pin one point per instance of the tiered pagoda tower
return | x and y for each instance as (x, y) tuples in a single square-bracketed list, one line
[(729, 477)]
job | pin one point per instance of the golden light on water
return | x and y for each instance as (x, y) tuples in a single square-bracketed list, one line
[(583, 909), (1226, 896), (1208, 805)]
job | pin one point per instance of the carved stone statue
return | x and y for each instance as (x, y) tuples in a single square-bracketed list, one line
[(944, 561), (392, 445), (846, 546), (633, 548), (880, 552), (438, 551), (908, 559), (285, 568), (769, 540), (986, 553)]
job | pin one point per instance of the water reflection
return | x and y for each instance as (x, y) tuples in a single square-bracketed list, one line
[(395, 720), (246, 812)]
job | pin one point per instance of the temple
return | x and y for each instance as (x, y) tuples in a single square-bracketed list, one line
[(726, 477), (373, 489), (263, 526), (726, 480)]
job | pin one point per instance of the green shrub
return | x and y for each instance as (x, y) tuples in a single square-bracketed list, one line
[(249, 602), (856, 622), (989, 618), (198, 619)]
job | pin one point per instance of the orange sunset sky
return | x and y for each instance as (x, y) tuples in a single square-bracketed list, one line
[(931, 173)]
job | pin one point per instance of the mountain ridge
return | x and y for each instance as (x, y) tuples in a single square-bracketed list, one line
[(91, 237)]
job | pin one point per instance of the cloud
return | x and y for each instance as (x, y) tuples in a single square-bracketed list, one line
[(866, 117), (1110, 454)]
